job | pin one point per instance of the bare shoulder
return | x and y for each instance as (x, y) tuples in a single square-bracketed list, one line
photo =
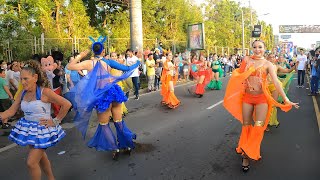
[(104, 64), (47, 91), (88, 64), (246, 58), (268, 64), (46, 94)]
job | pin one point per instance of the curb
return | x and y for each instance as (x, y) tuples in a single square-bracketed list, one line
[(315, 105)]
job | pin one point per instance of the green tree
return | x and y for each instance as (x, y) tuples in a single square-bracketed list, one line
[(58, 19)]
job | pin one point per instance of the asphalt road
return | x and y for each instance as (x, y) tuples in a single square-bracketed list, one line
[(194, 141)]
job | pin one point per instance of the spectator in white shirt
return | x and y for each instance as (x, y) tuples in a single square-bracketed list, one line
[(226, 66), (301, 67), (15, 77), (132, 59)]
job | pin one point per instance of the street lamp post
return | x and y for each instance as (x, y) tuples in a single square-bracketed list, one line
[(251, 21), (242, 23)]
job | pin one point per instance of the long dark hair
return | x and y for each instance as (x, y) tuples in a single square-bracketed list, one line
[(34, 67)]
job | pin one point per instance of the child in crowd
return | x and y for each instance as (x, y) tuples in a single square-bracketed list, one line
[(5, 98), (158, 71)]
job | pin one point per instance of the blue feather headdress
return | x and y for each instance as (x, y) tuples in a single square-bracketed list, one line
[(99, 42)]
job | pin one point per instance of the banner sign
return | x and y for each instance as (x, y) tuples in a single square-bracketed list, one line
[(285, 36), (299, 29), (196, 38)]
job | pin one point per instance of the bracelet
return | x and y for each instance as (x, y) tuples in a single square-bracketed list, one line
[(56, 121)]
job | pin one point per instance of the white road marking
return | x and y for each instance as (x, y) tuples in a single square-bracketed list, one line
[(148, 93), (8, 147), (216, 104)]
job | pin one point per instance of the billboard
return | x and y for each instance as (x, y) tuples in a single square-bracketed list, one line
[(299, 28), (286, 48), (256, 31), (196, 36)]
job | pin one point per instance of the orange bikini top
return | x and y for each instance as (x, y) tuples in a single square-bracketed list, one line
[(259, 73)]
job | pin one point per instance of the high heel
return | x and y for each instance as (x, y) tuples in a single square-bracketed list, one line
[(127, 151), (267, 129), (245, 168), (115, 154)]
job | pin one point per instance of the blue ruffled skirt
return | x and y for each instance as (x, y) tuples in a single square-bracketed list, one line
[(113, 94), (125, 135), (32, 133), (103, 139)]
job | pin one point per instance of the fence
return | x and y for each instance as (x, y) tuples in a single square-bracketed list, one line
[(24, 49)]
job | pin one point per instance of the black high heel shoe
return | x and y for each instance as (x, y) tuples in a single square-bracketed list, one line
[(115, 154), (245, 168), (127, 151)]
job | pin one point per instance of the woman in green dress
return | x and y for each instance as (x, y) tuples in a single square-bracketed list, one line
[(215, 82)]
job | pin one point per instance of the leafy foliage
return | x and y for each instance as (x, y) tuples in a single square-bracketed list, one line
[(163, 20)]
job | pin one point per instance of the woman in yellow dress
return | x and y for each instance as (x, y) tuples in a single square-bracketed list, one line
[(122, 84), (275, 94)]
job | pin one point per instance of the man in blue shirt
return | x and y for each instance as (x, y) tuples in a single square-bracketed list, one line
[(314, 76)]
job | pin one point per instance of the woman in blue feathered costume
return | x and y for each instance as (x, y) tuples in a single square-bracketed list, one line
[(98, 90)]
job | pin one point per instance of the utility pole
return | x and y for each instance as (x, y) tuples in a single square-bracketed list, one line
[(251, 26), (242, 23), (136, 25)]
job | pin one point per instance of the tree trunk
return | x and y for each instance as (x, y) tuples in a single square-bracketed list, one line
[(58, 17)]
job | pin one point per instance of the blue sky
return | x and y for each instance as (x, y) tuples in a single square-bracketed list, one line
[(288, 12)]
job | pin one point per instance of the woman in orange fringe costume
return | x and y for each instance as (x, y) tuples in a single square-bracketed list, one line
[(202, 75), (247, 98), (169, 78)]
